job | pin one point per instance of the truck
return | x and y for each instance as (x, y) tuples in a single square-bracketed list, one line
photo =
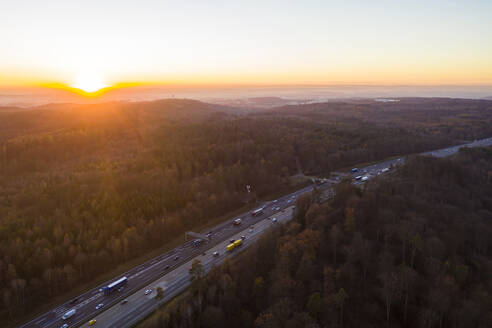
[(234, 244), (115, 285), (69, 314), (257, 212)]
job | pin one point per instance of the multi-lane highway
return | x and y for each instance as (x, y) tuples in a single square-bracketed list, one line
[(85, 304), (171, 268), (139, 305), (377, 169)]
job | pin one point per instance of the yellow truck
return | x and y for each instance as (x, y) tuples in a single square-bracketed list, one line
[(233, 245)]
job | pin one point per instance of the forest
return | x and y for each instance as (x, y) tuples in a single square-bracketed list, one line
[(84, 188), (411, 249)]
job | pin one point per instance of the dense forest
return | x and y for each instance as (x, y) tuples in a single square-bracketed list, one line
[(86, 187), (459, 119), (412, 249)]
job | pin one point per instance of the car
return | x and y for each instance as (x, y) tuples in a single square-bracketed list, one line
[(74, 301), (166, 267), (250, 230), (216, 253), (92, 322), (275, 201), (274, 220), (70, 313), (65, 325), (121, 288), (232, 240), (176, 258), (100, 289), (289, 201), (148, 291), (243, 237), (100, 305), (124, 301)]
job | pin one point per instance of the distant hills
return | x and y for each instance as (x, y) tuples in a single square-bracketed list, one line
[(18, 121), (11, 109), (260, 102)]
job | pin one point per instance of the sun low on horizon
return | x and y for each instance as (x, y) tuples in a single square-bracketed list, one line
[(302, 42), (89, 83)]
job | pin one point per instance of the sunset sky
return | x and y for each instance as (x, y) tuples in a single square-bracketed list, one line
[(101, 43)]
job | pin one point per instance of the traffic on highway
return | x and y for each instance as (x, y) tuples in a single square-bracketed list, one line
[(141, 303), (131, 295), (362, 175), (93, 302)]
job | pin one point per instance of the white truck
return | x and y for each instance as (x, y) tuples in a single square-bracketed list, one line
[(68, 314)]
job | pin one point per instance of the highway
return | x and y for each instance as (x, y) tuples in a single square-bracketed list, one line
[(170, 270), (373, 170), (85, 304), (140, 305)]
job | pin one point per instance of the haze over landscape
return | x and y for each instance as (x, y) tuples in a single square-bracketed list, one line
[(167, 46), (266, 164)]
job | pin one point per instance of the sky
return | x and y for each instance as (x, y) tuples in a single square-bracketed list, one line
[(103, 43)]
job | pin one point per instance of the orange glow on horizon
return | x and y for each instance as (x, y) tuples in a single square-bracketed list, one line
[(88, 93)]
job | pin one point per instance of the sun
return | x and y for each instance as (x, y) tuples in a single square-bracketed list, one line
[(89, 82)]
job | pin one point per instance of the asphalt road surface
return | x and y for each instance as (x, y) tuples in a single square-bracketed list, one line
[(377, 169), (171, 268), (140, 305), (85, 304)]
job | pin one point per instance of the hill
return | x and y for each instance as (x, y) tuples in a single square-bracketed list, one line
[(49, 118), (460, 119), (259, 102), (84, 188)]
